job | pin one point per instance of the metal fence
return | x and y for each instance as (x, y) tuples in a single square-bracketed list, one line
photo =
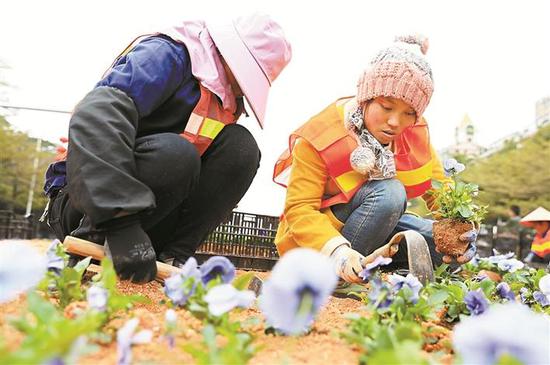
[(15, 226), (246, 239)]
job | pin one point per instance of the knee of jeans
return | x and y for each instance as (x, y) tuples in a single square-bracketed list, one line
[(240, 143), (393, 195)]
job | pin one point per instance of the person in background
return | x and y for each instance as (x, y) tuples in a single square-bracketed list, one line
[(155, 158), (350, 169), (539, 220)]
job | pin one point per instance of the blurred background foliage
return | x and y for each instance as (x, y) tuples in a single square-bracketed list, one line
[(17, 153), (518, 174)]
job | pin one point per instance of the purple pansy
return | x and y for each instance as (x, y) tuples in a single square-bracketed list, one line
[(504, 329), (510, 265), (370, 267), (179, 287), (505, 292), (452, 167), (125, 338), (496, 258), (541, 298), (380, 293), (217, 265), (410, 281), (223, 298), (15, 278), (299, 285), (55, 262), (476, 302), (523, 293), (97, 298)]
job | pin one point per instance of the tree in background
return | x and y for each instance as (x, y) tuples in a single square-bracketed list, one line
[(519, 174), (17, 152)]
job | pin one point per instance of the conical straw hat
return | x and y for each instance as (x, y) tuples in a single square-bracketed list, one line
[(538, 215)]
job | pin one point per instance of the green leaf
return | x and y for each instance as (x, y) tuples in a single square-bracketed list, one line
[(242, 282), (465, 211), (82, 265), (507, 359), (438, 297)]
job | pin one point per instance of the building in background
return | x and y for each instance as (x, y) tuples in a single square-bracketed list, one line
[(465, 145)]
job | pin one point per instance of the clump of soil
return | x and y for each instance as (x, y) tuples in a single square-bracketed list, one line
[(446, 236)]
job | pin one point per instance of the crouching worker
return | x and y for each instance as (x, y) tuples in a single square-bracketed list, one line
[(539, 220), (155, 160), (353, 166)]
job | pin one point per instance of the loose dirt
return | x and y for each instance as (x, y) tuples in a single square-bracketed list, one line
[(321, 346), (446, 233)]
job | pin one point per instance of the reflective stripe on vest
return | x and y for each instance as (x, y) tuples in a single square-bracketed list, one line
[(207, 118), (541, 245), (327, 134), (206, 121)]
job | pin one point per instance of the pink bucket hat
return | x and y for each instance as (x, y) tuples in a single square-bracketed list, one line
[(256, 51), (400, 71)]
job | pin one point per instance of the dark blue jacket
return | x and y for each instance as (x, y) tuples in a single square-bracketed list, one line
[(156, 92)]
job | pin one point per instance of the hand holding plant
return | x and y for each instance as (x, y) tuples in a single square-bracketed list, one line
[(459, 216)]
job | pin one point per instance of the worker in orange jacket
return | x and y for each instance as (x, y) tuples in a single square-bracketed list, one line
[(350, 169)]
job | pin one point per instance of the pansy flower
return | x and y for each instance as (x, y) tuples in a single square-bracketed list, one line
[(223, 298), (180, 286), (410, 281), (21, 268), (369, 268), (126, 338), (452, 167), (476, 302), (510, 329), (299, 285), (217, 266)]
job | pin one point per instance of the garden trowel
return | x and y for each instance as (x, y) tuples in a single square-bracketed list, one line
[(419, 258)]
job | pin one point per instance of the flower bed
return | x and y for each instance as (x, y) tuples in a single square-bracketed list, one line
[(199, 320)]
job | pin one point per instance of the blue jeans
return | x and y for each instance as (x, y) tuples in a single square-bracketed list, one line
[(376, 213)]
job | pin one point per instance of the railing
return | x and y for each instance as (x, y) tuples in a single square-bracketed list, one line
[(15, 226), (246, 239)]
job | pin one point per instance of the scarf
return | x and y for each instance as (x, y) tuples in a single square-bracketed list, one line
[(370, 157)]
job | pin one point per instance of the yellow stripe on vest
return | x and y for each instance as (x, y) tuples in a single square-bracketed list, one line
[(349, 180), (539, 247), (417, 176), (211, 128)]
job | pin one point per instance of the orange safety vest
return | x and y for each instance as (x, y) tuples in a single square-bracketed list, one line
[(541, 244), (334, 143), (207, 118)]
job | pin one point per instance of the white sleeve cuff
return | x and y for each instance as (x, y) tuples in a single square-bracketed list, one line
[(333, 244)]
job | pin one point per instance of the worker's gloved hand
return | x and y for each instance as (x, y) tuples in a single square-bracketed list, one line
[(471, 237), (347, 263), (132, 253)]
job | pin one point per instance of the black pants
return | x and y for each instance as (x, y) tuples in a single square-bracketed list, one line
[(193, 194)]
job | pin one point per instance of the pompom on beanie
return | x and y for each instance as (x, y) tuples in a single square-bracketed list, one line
[(399, 71)]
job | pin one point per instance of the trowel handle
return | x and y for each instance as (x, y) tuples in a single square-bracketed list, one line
[(388, 250), (85, 248)]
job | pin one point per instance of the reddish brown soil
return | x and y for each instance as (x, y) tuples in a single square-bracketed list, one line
[(446, 233), (321, 346)]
